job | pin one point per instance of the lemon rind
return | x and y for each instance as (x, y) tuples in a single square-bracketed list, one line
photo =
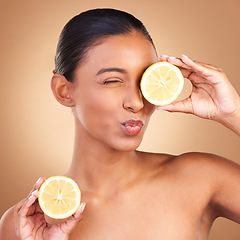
[(149, 71), (49, 213)]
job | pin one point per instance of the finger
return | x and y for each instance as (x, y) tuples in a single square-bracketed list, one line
[(202, 69), (193, 77), (162, 58), (80, 210), (23, 212), (186, 70), (184, 106), (183, 63), (20, 205), (75, 218), (17, 208), (175, 61), (210, 66), (38, 184)]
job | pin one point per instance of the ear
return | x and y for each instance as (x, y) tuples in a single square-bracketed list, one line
[(62, 90)]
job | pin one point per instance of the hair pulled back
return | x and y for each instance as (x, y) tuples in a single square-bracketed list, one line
[(87, 30)]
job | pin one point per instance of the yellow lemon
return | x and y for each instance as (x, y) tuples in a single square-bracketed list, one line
[(162, 83), (59, 197)]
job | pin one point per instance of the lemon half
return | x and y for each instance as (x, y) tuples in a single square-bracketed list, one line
[(59, 197), (162, 83)]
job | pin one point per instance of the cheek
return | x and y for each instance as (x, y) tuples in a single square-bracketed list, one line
[(148, 108), (95, 109)]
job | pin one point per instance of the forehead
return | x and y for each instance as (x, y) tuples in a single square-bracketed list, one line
[(121, 50)]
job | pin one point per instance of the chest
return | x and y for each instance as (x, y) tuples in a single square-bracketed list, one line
[(171, 216)]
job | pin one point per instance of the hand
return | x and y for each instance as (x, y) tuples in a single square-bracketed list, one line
[(30, 222), (212, 97)]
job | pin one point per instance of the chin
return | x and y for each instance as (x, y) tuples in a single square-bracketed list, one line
[(127, 146)]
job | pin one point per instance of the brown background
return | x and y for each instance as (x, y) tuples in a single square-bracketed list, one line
[(37, 133)]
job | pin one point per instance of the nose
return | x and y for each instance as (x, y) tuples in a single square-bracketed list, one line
[(133, 100)]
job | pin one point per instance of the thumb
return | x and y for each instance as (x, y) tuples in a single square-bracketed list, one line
[(184, 106), (75, 218)]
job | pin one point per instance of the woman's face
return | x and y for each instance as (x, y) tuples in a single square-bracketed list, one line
[(109, 106)]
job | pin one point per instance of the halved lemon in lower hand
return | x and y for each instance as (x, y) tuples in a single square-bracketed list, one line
[(59, 197), (162, 83)]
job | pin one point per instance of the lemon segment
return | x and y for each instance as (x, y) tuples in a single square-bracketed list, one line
[(59, 197), (162, 83)]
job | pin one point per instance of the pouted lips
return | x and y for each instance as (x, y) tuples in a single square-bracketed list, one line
[(132, 127)]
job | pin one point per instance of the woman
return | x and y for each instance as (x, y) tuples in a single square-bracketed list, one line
[(100, 59)]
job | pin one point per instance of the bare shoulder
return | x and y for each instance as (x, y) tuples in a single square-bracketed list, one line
[(206, 163), (208, 167), (7, 225), (215, 178), (222, 177), (192, 160)]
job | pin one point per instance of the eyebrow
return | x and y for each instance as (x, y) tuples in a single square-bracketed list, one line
[(103, 70)]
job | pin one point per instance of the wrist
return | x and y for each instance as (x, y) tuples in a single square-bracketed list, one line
[(232, 121)]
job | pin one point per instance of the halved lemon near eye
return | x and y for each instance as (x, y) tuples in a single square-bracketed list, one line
[(59, 197), (162, 83)]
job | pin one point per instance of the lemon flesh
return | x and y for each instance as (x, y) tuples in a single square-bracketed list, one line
[(162, 83), (59, 197)]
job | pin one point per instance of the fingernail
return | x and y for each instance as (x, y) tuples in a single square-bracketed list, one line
[(34, 192), (184, 55), (30, 197), (160, 109), (38, 180), (172, 57), (164, 56), (83, 206)]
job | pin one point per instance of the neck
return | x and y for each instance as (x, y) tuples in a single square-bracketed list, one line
[(99, 169)]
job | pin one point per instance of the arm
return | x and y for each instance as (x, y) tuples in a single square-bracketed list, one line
[(7, 226), (233, 123), (213, 97), (226, 188), (26, 221), (217, 180)]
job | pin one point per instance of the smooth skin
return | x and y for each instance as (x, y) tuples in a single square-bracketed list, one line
[(131, 194)]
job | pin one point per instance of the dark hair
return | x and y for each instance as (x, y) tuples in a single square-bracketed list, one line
[(87, 30)]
